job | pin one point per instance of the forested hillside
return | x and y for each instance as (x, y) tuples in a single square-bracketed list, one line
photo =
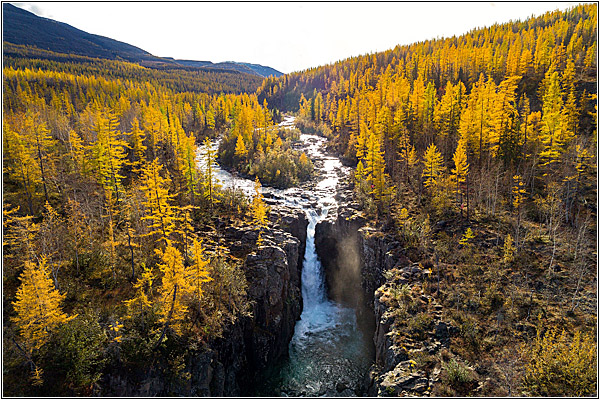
[(124, 262), (28, 35), (479, 153), (108, 217), (176, 78)]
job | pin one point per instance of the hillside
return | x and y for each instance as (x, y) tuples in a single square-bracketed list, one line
[(21, 27), (475, 165), (25, 28), (242, 67)]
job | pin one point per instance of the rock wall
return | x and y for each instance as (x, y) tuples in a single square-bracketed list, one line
[(229, 366), (273, 272), (394, 372)]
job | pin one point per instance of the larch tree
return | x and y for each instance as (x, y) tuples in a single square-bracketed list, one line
[(42, 143), (503, 135), (406, 151), (240, 149), (37, 307), (259, 208), (433, 167), (197, 272), (571, 110), (158, 203), (552, 120), (518, 194), (20, 164), (138, 149), (78, 159), (460, 170), (51, 240), (376, 175), (190, 167), (174, 287), (209, 183), (109, 154), (19, 237)]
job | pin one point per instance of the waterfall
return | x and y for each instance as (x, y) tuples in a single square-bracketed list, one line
[(327, 352), (327, 349)]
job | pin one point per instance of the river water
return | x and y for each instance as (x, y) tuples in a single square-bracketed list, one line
[(328, 354)]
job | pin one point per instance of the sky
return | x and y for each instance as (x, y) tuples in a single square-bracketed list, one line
[(285, 36)]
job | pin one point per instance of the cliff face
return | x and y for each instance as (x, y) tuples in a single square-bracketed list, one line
[(230, 365), (378, 266), (273, 272)]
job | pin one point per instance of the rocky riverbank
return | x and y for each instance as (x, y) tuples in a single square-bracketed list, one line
[(363, 265), (229, 365)]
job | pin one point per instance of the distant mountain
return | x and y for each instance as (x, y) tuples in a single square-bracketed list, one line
[(24, 28), (248, 68), (262, 70)]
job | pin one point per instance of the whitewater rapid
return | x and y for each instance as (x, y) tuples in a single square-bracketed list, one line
[(327, 351)]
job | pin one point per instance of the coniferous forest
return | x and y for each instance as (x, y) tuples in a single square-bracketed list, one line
[(472, 158)]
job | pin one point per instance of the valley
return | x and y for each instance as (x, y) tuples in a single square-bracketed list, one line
[(420, 221)]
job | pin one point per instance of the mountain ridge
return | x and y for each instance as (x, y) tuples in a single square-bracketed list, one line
[(24, 28)]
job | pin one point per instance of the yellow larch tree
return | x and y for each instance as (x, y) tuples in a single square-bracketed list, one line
[(518, 193), (407, 153), (240, 148), (197, 273), (159, 211), (174, 287), (136, 138), (259, 208), (460, 170), (209, 183), (42, 143), (108, 154), (37, 307), (433, 167), (504, 117), (552, 120), (189, 167), (19, 163)]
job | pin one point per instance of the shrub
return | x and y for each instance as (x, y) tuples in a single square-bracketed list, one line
[(560, 365), (420, 324), (457, 373), (74, 357)]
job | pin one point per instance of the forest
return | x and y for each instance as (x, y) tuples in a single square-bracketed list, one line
[(103, 204), (478, 153)]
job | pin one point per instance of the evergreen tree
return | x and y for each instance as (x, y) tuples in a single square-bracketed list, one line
[(158, 203), (432, 168)]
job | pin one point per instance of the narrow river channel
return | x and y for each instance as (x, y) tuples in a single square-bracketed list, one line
[(328, 354)]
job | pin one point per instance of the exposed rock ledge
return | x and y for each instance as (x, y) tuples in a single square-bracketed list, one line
[(346, 240), (230, 365)]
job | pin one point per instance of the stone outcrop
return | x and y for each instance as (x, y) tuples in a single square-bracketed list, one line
[(395, 373), (273, 272), (229, 366)]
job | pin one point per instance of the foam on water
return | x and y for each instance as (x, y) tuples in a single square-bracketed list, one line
[(327, 346)]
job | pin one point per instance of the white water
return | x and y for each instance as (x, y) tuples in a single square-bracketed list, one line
[(327, 348)]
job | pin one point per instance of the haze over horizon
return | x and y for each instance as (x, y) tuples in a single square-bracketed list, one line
[(286, 36)]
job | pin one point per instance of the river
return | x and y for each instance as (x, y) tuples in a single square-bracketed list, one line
[(328, 354)]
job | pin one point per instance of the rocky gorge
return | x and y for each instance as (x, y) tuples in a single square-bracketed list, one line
[(227, 366), (344, 301), (368, 269)]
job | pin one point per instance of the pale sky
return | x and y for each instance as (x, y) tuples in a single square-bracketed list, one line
[(286, 36)]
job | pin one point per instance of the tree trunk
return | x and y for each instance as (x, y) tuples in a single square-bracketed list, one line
[(162, 335), (131, 251)]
